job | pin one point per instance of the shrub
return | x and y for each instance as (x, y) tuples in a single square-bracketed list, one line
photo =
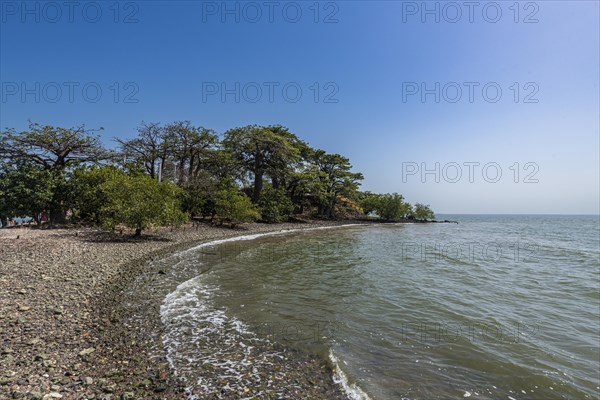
[(235, 207), (275, 205)]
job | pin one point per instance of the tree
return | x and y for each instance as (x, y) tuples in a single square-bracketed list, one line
[(392, 207), (178, 151), (27, 189), (4, 206), (191, 148), (333, 171), (139, 202), (200, 194), (53, 149), (235, 207), (423, 212), (170, 171), (369, 202), (149, 149), (275, 205), (89, 196), (272, 151)]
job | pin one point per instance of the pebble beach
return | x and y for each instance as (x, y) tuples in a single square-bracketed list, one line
[(80, 318)]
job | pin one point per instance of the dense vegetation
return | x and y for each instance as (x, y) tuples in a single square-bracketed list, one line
[(170, 173)]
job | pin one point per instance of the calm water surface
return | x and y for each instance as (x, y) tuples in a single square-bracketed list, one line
[(496, 307)]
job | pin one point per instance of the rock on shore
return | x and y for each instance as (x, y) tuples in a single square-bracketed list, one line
[(69, 329)]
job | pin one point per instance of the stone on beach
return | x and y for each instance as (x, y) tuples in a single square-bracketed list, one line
[(64, 324)]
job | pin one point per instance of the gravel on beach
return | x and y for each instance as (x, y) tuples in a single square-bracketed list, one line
[(78, 322)]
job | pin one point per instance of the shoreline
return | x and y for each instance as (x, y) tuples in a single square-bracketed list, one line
[(75, 325), (234, 347)]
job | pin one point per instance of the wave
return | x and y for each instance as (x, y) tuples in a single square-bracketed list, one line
[(265, 234), (206, 347), (209, 349), (353, 391)]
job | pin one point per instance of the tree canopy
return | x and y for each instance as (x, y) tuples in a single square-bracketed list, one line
[(53, 147), (27, 189), (423, 212), (333, 172), (234, 206), (262, 151), (138, 202), (167, 173)]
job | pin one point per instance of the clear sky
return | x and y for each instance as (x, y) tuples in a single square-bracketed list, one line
[(398, 87)]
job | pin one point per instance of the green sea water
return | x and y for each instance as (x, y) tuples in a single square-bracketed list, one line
[(495, 307)]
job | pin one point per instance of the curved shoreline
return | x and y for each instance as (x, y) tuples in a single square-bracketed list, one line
[(74, 324), (188, 309)]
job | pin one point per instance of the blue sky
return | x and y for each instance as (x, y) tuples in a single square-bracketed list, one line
[(398, 87)]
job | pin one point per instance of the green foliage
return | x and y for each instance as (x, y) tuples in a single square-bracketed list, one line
[(369, 202), (275, 205), (423, 212), (392, 207), (264, 150), (56, 150), (193, 200), (333, 172), (52, 147), (389, 207), (170, 171), (347, 208), (27, 189), (199, 196), (235, 207), (89, 197), (109, 197), (139, 202), (4, 206), (222, 165), (304, 188)]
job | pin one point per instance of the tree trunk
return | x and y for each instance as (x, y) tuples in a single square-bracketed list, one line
[(191, 168), (3, 221), (138, 232), (331, 209), (161, 170), (58, 216), (258, 185), (258, 175), (321, 209), (37, 218), (181, 177)]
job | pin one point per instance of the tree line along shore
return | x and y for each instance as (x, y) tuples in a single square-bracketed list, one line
[(171, 173)]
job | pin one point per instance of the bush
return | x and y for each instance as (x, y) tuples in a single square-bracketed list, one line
[(110, 197), (369, 202), (391, 207), (423, 212), (27, 190), (235, 207), (275, 205), (199, 196), (89, 198)]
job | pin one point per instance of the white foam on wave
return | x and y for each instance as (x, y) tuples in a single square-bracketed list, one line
[(353, 391), (258, 235), (198, 334), (191, 318)]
